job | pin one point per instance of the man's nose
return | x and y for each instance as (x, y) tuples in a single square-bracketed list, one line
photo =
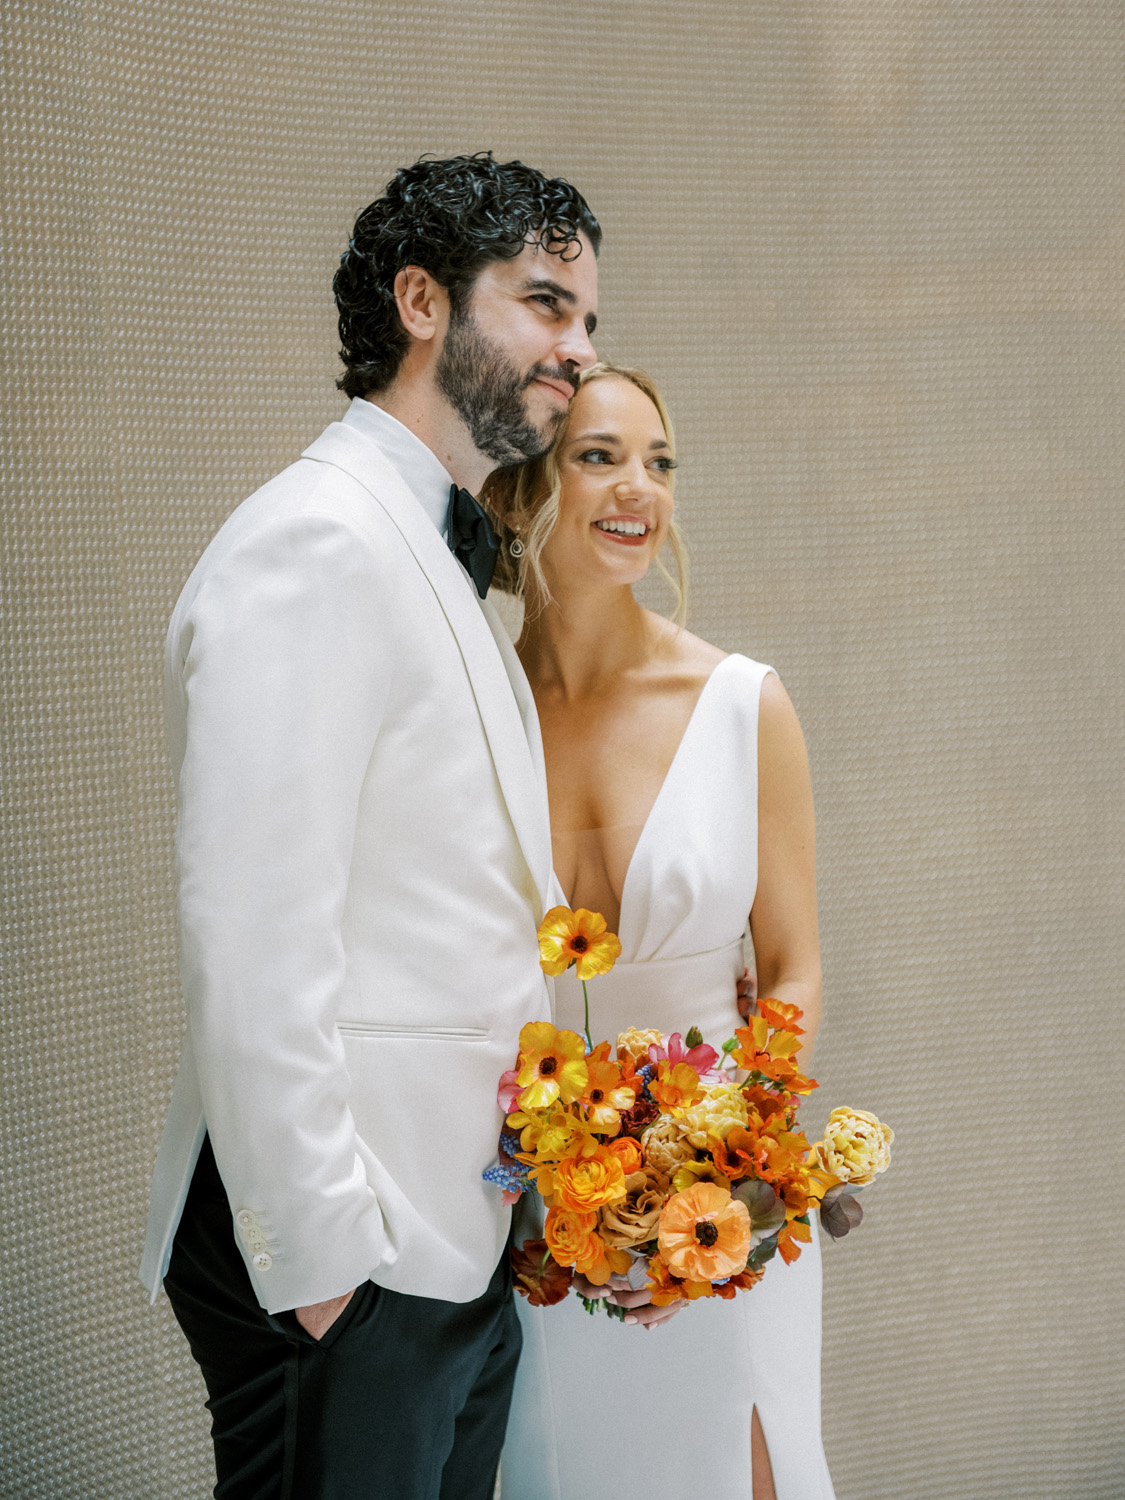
[(575, 348)]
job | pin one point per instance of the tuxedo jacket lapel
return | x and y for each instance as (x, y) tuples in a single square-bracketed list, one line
[(511, 726)]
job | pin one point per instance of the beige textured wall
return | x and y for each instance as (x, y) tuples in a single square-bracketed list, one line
[(873, 249)]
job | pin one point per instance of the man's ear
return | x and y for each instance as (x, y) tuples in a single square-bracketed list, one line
[(423, 303)]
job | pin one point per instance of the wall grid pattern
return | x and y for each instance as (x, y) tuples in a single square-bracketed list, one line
[(873, 251)]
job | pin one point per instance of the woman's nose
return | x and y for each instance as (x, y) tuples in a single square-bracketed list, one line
[(632, 480)]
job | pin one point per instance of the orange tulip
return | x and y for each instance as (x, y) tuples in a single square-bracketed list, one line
[(704, 1233)]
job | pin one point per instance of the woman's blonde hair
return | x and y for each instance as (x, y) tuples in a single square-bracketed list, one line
[(524, 504)]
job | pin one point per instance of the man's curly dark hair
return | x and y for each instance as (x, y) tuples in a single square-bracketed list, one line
[(451, 218)]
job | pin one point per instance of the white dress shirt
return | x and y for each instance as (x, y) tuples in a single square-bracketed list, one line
[(426, 476)]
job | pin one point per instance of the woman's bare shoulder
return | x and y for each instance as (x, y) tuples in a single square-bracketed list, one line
[(682, 650)]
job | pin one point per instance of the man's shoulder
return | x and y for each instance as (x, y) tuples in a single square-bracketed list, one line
[(309, 489)]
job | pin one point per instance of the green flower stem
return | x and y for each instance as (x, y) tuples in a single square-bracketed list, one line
[(586, 998)]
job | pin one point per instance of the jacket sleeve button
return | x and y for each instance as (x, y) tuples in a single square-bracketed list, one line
[(244, 1218), (262, 1261)]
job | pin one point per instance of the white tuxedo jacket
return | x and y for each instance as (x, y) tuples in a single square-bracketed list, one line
[(363, 854)]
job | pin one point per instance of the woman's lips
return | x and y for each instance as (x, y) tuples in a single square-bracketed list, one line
[(623, 539)]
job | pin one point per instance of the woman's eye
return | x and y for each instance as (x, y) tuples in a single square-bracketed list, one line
[(666, 465), (595, 456)]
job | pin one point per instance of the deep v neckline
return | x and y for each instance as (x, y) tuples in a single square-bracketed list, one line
[(660, 795)]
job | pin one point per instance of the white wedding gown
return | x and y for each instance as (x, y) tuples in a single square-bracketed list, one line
[(608, 1412)]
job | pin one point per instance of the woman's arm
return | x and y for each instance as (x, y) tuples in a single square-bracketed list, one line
[(783, 921)]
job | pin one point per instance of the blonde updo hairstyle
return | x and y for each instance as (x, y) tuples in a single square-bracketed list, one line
[(524, 504)]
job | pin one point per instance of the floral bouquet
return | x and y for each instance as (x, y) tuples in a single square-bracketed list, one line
[(656, 1159)]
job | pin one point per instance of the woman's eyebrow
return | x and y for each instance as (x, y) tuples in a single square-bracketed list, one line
[(612, 437)]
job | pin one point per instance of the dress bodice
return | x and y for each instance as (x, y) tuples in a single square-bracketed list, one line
[(690, 882)]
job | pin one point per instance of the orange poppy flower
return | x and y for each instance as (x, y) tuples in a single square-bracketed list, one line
[(606, 1094), (738, 1155), (676, 1086), (576, 937), (782, 1015), (704, 1233), (552, 1065)]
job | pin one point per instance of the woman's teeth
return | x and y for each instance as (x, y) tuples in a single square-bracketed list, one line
[(623, 528)]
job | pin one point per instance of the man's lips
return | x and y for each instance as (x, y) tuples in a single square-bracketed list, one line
[(558, 388)]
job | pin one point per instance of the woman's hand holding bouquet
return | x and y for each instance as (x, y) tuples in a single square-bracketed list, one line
[(656, 1160)]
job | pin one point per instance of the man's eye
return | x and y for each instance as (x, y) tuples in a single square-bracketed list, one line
[(595, 456), (549, 302)]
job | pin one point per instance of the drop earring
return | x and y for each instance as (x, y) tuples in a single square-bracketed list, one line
[(516, 547)]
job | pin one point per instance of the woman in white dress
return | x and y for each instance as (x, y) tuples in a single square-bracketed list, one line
[(680, 806)]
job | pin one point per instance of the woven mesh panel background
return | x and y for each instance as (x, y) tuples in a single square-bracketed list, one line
[(873, 251)]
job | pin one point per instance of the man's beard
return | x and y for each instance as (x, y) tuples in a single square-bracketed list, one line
[(486, 391)]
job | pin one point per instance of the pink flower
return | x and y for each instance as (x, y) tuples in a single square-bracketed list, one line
[(702, 1058), (508, 1091)]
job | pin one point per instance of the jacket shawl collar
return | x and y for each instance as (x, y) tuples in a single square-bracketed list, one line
[(511, 727)]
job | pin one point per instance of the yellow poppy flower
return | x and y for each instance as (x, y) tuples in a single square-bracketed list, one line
[(552, 1065), (576, 937)]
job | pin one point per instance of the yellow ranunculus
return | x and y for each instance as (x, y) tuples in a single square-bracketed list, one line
[(856, 1146), (576, 937), (722, 1108)]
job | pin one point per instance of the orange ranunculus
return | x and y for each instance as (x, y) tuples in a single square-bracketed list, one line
[(604, 1263), (538, 1276), (576, 937), (704, 1233), (571, 1237), (586, 1183), (782, 1015), (552, 1065), (629, 1153), (606, 1094), (676, 1086)]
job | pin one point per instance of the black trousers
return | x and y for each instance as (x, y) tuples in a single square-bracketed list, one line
[(405, 1398)]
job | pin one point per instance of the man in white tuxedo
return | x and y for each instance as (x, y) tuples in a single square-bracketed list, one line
[(363, 854)]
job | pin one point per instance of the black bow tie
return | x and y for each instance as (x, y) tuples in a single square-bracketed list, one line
[(471, 537)]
